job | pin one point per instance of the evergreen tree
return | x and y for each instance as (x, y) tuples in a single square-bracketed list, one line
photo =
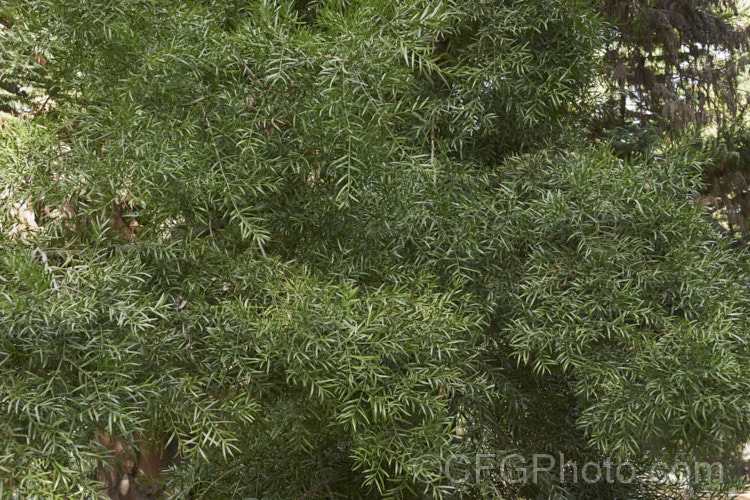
[(676, 63), (324, 247)]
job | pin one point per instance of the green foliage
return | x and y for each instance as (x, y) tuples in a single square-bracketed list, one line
[(730, 149), (316, 242), (726, 179), (623, 290)]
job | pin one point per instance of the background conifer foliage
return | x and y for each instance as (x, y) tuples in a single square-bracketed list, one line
[(677, 62), (309, 244)]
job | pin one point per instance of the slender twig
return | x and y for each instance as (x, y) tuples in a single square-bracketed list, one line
[(41, 108), (193, 102), (222, 476), (432, 156), (184, 104), (321, 484), (202, 229), (246, 68)]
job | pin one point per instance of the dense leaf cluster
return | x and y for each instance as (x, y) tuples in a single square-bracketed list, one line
[(316, 242)]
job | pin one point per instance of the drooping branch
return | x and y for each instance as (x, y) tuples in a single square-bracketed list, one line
[(679, 61)]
